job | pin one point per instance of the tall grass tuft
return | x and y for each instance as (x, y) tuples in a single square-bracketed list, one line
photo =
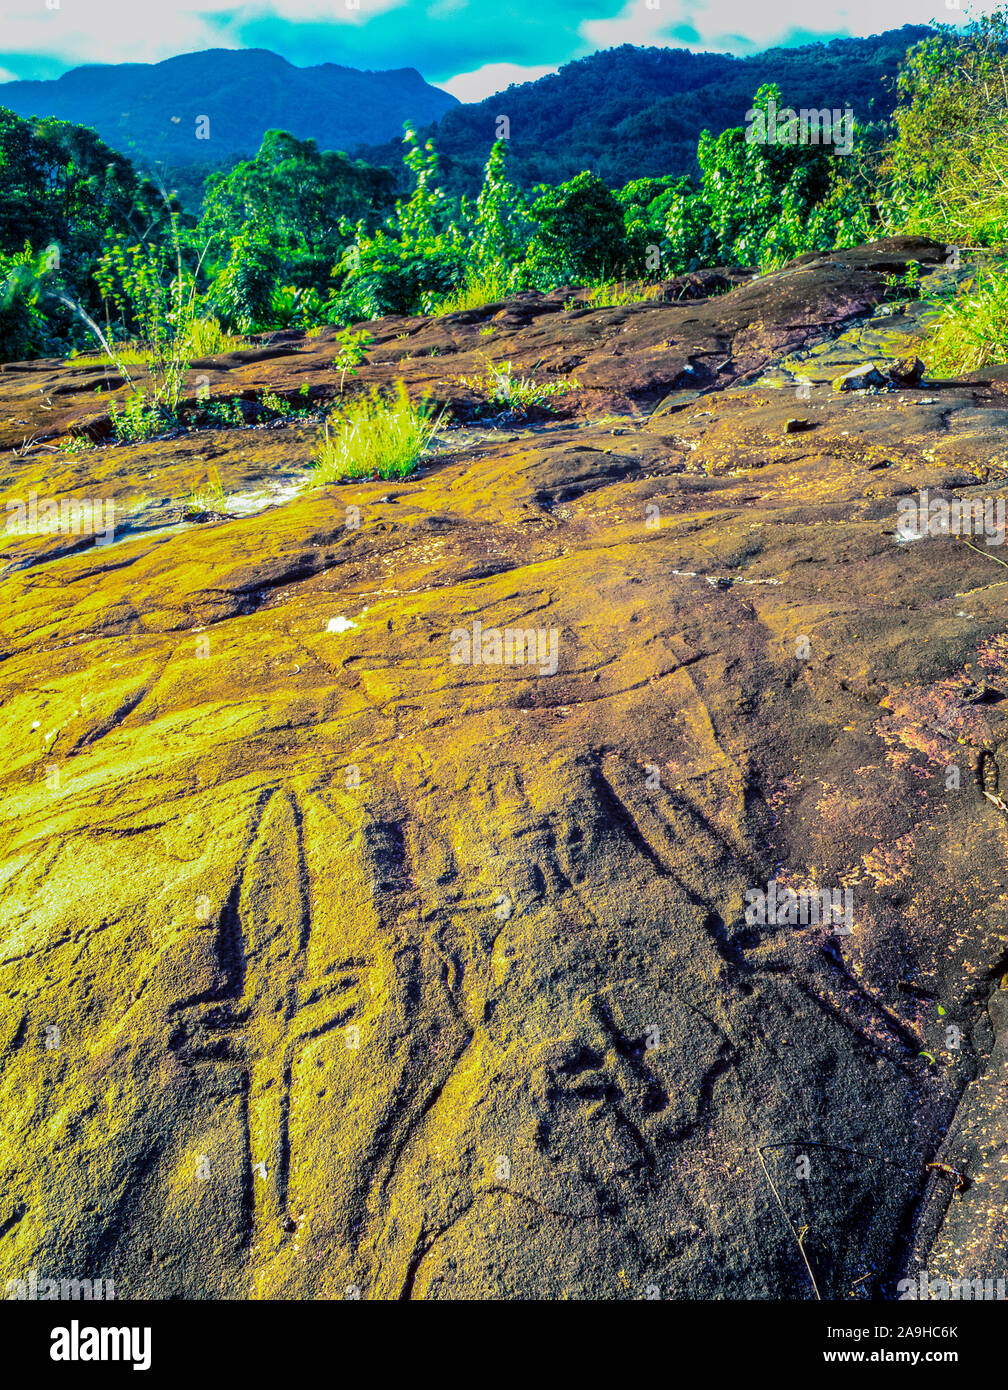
[(478, 291), (375, 436), (206, 338), (973, 329), (614, 294)]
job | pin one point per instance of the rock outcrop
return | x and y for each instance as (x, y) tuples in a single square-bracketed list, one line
[(333, 958)]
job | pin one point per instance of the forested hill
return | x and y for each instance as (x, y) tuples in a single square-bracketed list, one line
[(622, 113), (629, 112), (152, 111)]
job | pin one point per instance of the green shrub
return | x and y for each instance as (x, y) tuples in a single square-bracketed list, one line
[(227, 413), (689, 241), (375, 436), (414, 260), (156, 294), (769, 202), (499, 388), (242, 293), (25, 329), (580, 236), (76, 444), (138, 420), (353, 348), (973, 330), (946, 173)]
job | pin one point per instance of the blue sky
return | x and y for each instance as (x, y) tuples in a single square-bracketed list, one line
[(469, 47)]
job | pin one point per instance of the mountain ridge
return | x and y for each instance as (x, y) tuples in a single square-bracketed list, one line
[(634, 112), (153, 110), (625, 112)]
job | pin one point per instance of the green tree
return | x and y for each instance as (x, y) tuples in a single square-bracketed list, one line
[(502, 227), (278, 225), (419, 254), (69, 196), (762, 194), (295, 196), (946, 172), (580, 237), (646, 204), (242, 292), (26, 331)]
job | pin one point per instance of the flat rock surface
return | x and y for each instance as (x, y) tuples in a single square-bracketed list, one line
[(329, 962)]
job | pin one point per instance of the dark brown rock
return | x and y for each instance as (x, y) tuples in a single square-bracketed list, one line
[(452, 959)]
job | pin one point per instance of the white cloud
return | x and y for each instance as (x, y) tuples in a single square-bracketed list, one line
[(721, 25), (116, 31), (637, 24), (493, 77), (438, 8), (106, 31)]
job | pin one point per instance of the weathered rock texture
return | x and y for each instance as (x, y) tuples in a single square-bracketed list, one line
[(370, 969)]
